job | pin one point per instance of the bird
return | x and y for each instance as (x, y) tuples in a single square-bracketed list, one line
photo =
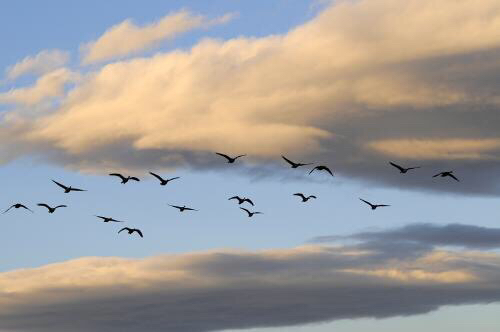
[(293, 164), (250, 214), (230, 160), (321, 168), (67, 189), (402, 169), (447, 173), (374, 206), (163, 181), (241, 200), (108, 219), (124, 179), (182, 208), (51, 209), (17, 206), (131, 230), (304, 198)]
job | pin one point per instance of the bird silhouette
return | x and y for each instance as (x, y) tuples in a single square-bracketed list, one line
[(374, 206), (304, 198), (241, 200), (67, 189), (447, 173), (51, 209), (108, 219), (163, 181), (131, 230), (293, 164), (17, 206), (321, 168), (123, 178), (250, 214), (182, 208), (230, 160), (402, 169)]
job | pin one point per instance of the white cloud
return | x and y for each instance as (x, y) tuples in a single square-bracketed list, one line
[(126, 38), (43, 62)]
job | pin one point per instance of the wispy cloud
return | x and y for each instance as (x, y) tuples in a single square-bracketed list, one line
[(39, 64), (127, 38)]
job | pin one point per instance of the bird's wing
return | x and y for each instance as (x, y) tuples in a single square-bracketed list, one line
[(315, 168), (103, 218), (247, 211), (138, 232), (258, 212), (60, 185), (366, 202), (224, 155), (134, 178), (397, 166), (454, 177), (60, 206), (414, 167), (299, 194), (328, 170), (312, 196), (437, 175), (249, 201), (77, 189), (234, 197), (174, 178), (114, 220), (118, 175), (123, 229), (8, 209), (190, 209), (27, 208), (288, 160), (241, 155), (43, 204), (381, 205), (175, 206), (157, 176)]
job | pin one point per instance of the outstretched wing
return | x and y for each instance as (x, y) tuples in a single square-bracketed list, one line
[(437, 175), (8, 209), (288, 161), (77, 189), (249, 201), (174, 178), (247, 211), (328, 170), (118, 175), (124, 229), (312, 196), (366, 202), (414, 167), (397, 166), (176, 206), (300, 195), (241, 155), (134, 178), (190, 209), (138, 232), (114, 220), (234, 197), (157, 176), (315, 168), (45, 205), (103, 218), (224, 155), (27, 208), (381, 205), (60, 206), (60, 185), (454, 177)]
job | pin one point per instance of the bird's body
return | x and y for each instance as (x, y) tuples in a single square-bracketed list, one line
[(322, 168), (131, 230), (229, 159), (304, 198), (18, 206), (447, 173), (108, 219), (250, 213), (49, 208), (373, 206), (182, 208), (294, 164), (163, 181), (123, 178), (66, 188), (242, 200), (403, 170)]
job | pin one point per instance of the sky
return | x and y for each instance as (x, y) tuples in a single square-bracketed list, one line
[(96, 88)]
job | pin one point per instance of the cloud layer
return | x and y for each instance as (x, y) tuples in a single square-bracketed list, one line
[(362, 83), (225, 289), (43, 62)]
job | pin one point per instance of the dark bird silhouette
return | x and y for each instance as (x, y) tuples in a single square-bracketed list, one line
[(163, 181), (108, 219), (51, 209), (374, 206), (17, 206), (402, 169), (230, 160), (67, 189), (182, 208), (131, 230), (447, 173), (304, 198), (293, 164), (241, 200), (321, 168), (250, 214), (123, 178)]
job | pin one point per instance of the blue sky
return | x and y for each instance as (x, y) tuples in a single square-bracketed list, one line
[(35, 240)]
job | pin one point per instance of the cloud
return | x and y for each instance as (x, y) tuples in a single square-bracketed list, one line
[(226, 289), (42, 63), (127, 38), (359, 83)]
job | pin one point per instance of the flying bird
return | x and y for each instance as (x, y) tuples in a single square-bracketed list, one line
[(230, 160), (321, 168), (182, 208), (51, 209), (17, 206), (131, 230), (250, 214), (402, 169), (241, 200), (108, 219), (67, 189), (304, 198), (448, 173), (293, 164), (374, 206), (123, 178), (163, 181)]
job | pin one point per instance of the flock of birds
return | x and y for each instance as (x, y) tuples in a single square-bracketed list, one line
[(240, 200)]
